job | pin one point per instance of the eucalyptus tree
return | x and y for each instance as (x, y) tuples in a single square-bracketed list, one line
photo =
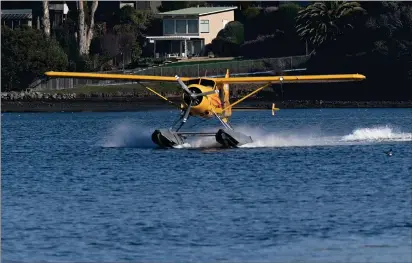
[(46, 18), (86, 26)]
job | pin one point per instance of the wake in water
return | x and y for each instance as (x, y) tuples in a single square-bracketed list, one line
[(377, 134), (360, 135), (127, 135), (309, 138)]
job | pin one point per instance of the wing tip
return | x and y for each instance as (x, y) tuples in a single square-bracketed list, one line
[(361, 76)]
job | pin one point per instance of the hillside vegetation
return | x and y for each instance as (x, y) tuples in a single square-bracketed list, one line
[(371, 38)]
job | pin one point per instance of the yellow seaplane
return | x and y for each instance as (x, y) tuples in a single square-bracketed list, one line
[(207, 97)]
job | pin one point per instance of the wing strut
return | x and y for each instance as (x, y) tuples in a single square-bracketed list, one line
[(226, 125), (159, 95), (247, 96)]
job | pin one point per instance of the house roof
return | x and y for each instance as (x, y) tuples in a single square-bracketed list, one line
[(199, 10), (16, 14), (174, 37)]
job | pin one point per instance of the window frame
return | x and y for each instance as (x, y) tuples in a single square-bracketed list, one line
[(176, 21), (185, 23), (204, 22), (174, 26), (195, 21)]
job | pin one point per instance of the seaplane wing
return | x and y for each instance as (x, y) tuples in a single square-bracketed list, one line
[(230, 80), (105, 76), (292, 79)]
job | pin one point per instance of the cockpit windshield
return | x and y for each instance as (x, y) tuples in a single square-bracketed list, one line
[(204, 82), (207, 83), (193, 81)]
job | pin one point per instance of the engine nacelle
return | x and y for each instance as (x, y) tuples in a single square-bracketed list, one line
[(205, 105)]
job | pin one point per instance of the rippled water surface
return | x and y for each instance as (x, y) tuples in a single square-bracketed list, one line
[(315, 186)]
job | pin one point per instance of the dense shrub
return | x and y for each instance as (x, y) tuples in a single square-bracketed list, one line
[(26, 54), (228, 40)]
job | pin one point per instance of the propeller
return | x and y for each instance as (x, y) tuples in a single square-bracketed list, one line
[(193, 96), (183, 86), (186, 115)]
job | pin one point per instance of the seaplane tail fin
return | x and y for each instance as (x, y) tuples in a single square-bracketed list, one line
[(226, 96), (274, 109)]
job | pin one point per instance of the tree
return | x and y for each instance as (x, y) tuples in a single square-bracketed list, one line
[(250, 18), (175, 5), (285, 17), (233, 32), (389, 27), (46, 18), (86, 27), (136, 20), (130, 28), (228, 40), (380, 45), (389, 35), (324, 22), (66, 35), (27, 53), (278, 39)]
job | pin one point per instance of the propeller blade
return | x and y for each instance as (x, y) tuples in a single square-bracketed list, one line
[(187, 112), (183, 85), (204, 93)]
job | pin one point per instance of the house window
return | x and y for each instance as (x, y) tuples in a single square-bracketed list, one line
[(204, 26), (169, 26), (192, 27), (181, 26)]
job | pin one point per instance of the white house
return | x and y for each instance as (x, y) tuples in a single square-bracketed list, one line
[(187, 31)]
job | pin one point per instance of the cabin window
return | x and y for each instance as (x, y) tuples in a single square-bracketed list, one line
[(193, 81), (204, 26), (207, 83)]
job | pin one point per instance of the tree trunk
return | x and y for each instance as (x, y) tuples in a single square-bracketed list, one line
[(91, 26), (46, 18), (86, 31), (82, 30)]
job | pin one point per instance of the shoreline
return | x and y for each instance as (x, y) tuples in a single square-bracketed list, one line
[(149, 103)]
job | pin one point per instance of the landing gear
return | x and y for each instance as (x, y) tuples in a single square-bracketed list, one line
[(166, 138), (232, 139), (227, 137)]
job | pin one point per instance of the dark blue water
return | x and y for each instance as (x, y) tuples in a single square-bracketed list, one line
[(316, 186)]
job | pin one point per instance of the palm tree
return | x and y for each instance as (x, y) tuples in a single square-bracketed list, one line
[(323, 22)]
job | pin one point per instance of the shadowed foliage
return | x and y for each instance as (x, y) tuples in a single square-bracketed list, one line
[(27, 53), (228, 40), (371, 38), (324, 22)]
